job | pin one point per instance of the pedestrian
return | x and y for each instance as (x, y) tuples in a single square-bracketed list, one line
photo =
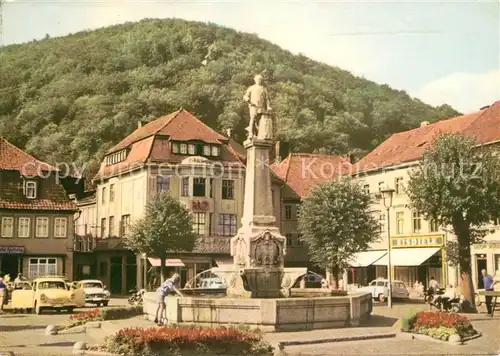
[(167, 287), (488, 286), (3, 288)]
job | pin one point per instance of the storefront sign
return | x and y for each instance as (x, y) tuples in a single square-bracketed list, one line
[(417, 241), (199, 205), (492, 246), (11, 250)]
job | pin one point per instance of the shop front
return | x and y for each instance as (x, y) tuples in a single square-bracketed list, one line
[(363, 269), (485, 256), (417, 258)]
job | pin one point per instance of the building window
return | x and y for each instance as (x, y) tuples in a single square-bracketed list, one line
[(162, 184), (227, 224), (42, 267), (103, 195), (288, 212), (42, 227), (206, 150), (111, 229), (24, 227), (300, 242), (116, 157), (212, 187), (400, 222), (103, 227), (185, 187), (103, 269), (433, 226), (381, 221), (125, 224), (298, 207), (366, 188), (380, 186), (215, 151), (199, 187), (30, 189), (288, 239), (417, 222), (497, 264), (398, 185), (111, 193), (191, 149), (184, 149), (227, 189), (7, 227), (199, 223), (60, 227), (175, 147)]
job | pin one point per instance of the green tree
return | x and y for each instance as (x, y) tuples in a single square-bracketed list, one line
[(457, 184), (336, 222), (166, 227)]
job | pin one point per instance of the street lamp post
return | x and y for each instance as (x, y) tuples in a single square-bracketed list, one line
[(387, 194)]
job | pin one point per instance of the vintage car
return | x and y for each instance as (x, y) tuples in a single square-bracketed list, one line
[(95, 292), (48, 293)]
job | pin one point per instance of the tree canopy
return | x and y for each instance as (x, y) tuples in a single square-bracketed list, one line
[(336, 222), (166, 227), (457, 184), (71, 98)]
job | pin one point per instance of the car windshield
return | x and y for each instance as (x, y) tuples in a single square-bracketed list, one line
[(92, 285), (52, 285)]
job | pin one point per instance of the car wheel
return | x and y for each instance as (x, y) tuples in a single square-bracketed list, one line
[(70, 310), (381, 298), (455, 309), (477, 300), (37, 309), (105, 304)]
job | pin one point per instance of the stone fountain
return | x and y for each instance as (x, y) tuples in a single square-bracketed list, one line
[(257, 282)]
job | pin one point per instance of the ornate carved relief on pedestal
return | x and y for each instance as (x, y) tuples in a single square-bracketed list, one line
[(239, 251), (266, 250)]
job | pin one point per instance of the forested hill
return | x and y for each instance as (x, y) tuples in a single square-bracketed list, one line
[(71, 98)]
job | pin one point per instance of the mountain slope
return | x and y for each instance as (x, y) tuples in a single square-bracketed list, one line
[(69, 99)]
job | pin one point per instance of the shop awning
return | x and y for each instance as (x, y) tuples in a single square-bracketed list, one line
[(408, 256), (170, 262), (366, 258)]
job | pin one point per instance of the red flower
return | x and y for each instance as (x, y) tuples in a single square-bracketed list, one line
[(92, 314)]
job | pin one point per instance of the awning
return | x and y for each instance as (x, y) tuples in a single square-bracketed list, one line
[(170, 262), (366, 258), (408, 256)]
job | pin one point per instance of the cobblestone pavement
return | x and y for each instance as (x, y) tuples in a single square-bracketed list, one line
[(24, 334)]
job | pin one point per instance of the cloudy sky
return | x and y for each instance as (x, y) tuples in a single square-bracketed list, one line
[(439, 51)]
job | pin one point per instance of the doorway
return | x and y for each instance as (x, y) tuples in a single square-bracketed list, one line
[(9, 264), (480, 265), (116, 275)]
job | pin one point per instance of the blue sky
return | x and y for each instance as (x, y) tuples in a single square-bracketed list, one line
[(438, 51)]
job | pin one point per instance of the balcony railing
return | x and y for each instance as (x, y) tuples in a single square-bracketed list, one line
[(86, 243)]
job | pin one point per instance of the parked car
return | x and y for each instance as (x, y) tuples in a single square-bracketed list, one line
[(313, 280), (212, 283), (48, 293), (379, 289), (95, 292)]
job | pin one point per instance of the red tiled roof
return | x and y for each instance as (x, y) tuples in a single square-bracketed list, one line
[(16, 164), (180, 125), (408, 146), (13, 158), (151, 142), (302, 171)]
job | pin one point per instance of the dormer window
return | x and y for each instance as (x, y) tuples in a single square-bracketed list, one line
[(183, 148), (215, 151), (191, 149), (116, 157), (30, 189), (206, 150), (175, 147)]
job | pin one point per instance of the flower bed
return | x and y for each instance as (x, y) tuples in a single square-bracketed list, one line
[(101, 315), (439, 325), (169, 340)]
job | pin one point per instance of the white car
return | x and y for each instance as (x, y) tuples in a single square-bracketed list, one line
[(95, 292), (212, 283), (379, 289)]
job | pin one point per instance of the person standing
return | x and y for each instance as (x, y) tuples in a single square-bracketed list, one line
[(3, 289), (488, 287), (167, 287)]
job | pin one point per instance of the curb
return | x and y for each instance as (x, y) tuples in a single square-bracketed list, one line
[(413, 336), (339, 339)]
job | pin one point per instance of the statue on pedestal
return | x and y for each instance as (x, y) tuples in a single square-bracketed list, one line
[(257, 98)]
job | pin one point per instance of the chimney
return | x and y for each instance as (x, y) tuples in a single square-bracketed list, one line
[(424, 123), (351, 158), (229, 132), (139, 124), (281, 150)]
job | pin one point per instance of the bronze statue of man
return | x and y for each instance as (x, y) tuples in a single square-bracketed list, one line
[(257, 98)]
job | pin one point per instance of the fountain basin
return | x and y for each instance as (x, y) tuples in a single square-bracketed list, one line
[(269, 315)]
